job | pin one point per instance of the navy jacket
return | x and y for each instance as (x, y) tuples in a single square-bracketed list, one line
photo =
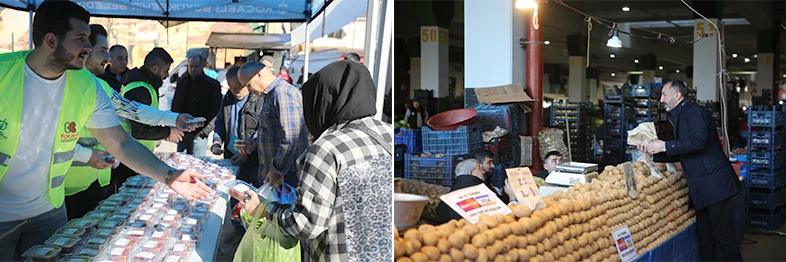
[(710, 176)]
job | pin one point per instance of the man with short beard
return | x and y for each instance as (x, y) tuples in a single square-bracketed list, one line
[(87, 180), (47, 100), (117, 68)]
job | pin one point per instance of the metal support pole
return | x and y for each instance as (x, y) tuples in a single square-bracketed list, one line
[(31, 28), (535, 89)]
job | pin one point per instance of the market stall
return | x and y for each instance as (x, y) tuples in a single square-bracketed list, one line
[(147, 221), (573, 225)]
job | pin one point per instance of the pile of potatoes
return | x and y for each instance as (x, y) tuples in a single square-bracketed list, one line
[(574, 226), (433, 192)]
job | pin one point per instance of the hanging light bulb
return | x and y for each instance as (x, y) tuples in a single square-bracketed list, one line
[(613, 74), (612, 56), (625, 9), (636, 61), (660, 67), (614, 41), (738, 89), (747, 60), (780, 102), (526, 4), (677, 71), (547, 42), (734, 55)]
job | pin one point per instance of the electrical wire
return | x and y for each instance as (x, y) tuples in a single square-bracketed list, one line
[(721, 74), (669, 38)]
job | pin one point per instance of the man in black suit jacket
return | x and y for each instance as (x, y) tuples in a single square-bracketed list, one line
[(711, 178)]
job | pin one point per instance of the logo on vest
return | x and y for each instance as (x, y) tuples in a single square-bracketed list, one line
[(3, 126), (69, 133)]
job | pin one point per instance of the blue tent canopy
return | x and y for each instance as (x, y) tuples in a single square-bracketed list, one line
[(194, 10)]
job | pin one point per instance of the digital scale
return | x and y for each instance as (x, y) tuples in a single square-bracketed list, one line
[(568, 174)]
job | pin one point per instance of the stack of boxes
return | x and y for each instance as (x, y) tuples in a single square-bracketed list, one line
[(766, 176), (575, 118), (618, 107), (506, 149), (443, 150)]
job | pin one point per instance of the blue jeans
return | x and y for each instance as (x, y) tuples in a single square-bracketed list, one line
[(195, 145), (35, 231)]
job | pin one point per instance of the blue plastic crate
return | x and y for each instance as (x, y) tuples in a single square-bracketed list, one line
[(766, 117), (618, 113), (502, 149), (412, 138), (398, 169), (766, 138), (499, 174), (400, 151), (766, 198), (643, 91), (516, 145), (766, 159), (767, 179), (766, 219), (507, 116), (461, 141), (433, 170)]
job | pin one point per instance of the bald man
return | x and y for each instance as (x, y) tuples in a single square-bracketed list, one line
[(117, 68), (200, 96)]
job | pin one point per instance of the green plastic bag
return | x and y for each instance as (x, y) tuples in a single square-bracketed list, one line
[(264, 241)]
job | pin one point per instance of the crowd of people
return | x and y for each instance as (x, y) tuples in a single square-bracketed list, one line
[(71, 108)]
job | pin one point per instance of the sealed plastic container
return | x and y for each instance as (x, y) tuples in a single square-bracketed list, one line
[(120, 254), (160, 235), (71, 231), (153, 246), (87, 251), (181, 249), (42, 253), (75, 259), (124, 242), (190, 229), (193, 221), (111, 223), (83, 223), (238, 188), (96, 240), (197, 215), (135, 233), (146, 256), (98, 215), (66, 243), (105, 232), (189, 238), (176, 257)]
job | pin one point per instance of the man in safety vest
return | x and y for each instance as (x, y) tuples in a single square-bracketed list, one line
[(87, 180), (141, 85), (47, 99)]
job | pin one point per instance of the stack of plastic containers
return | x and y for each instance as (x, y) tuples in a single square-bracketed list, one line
[(766, 174)]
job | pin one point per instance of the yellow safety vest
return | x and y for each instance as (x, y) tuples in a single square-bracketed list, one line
[(80, 176), (79, 101), (150, 144)]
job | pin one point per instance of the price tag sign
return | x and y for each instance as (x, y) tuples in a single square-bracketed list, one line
[(630, 180), (523, 184), (471, 202), (624, 243)]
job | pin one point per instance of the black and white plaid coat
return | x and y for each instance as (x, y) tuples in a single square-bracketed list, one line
[(343, 211)]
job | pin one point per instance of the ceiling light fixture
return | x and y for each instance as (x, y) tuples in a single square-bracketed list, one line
[(660, 67), (747, 60), (734, 55), (613, 74), (526, 4), (625, 8), (678, 71), (636, 61), (614, 41), (547, 42), (612, 56), (755, 55)]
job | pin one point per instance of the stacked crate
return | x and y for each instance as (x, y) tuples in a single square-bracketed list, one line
[(406, 142), (645, 98), (618, 107), (509, 117), (446, 148), (766, 183), (575, 118)]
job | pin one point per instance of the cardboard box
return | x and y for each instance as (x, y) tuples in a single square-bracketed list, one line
[(513, 93)]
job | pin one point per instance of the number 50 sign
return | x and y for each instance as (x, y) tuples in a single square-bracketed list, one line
[(434, 35)]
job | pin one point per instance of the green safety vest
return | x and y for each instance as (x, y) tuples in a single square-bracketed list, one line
[(79, 101), (80, 176), (150, 144)]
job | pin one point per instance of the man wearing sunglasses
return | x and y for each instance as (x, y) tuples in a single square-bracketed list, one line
[(282, 134)]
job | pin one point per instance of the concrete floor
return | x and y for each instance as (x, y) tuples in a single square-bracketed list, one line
[(764, 246)]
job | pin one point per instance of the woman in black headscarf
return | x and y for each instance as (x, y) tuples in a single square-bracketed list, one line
[(343, 210)]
